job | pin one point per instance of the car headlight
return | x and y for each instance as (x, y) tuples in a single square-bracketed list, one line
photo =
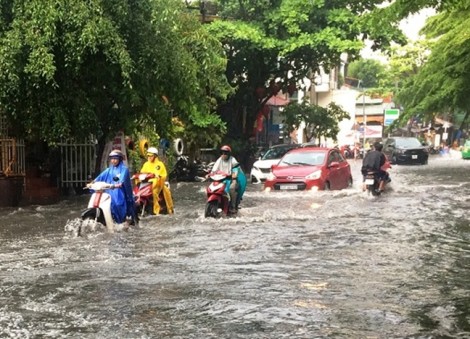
[(256, 168), (314, 176), (400, 151), (271, 176)]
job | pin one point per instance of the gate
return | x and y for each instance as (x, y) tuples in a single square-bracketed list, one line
[(12, 158), (77, 163)]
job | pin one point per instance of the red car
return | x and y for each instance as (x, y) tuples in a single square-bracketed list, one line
[(307, 168)]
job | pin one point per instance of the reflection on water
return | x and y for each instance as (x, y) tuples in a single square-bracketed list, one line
[(336, 264)]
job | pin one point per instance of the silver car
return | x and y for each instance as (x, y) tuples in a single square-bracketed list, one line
[(262, 167)]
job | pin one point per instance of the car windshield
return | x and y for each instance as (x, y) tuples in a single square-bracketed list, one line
[(275, 153), (303, 158), (408, 143)]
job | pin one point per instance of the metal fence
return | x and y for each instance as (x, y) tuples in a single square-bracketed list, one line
[(12, 157), (77, 163)]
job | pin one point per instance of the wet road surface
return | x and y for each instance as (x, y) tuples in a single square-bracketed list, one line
[(337, 264)]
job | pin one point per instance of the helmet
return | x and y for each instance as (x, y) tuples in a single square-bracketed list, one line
[(115, 153), (226, 148), (152, 150), (378, 146)]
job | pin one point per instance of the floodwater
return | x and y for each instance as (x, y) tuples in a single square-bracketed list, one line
[(338, 264)]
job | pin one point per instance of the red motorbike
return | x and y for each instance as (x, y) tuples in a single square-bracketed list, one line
[(218, 201), (143, 193)]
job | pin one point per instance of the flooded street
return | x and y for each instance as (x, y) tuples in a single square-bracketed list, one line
[(337, 264)]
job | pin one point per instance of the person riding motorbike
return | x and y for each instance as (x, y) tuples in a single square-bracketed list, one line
[(376, 161), (122, 198), (236, 185), (156, 166)]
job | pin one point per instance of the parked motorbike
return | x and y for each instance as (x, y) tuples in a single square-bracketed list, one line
[(347, 152), (144, 196), (218, 201), (98, 213), (183, 170)]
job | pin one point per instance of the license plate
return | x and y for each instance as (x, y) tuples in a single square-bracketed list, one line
[(288, 187), (369, 181), (414, 156)]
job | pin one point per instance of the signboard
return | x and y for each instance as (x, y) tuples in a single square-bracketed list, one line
[(372, 131), (390, 115), (118, 143)]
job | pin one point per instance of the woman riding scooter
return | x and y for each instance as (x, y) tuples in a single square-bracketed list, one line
[(117, 174), (156, 166), (236, 185)]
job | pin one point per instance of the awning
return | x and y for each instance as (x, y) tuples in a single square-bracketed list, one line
[(443, 122), (277, 101), (370, 118)]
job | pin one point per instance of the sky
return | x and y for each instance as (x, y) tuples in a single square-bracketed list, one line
[(410, 26)]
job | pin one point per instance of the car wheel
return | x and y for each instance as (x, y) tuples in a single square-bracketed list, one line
[(350, 182), (425, 162), (326, 187), (394, 160)]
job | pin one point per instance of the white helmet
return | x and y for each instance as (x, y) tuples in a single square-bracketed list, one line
[(116, 154), (152, 150)]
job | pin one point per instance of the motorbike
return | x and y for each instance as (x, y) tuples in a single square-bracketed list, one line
[(143, 193), (144, 196), (183, 170), (218, 201), (98, 213), (372, 182), (347, 152)]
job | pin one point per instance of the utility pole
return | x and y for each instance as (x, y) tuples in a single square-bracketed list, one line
[(364, 118)]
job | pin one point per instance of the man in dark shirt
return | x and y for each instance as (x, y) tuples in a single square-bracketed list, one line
[(373, 161)]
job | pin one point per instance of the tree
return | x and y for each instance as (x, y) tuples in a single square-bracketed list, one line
[(319, 121), (275, 45), (72, 68), (368, 71), (442, 83)]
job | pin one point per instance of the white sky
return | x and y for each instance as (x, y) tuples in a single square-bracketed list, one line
[(410, 26)]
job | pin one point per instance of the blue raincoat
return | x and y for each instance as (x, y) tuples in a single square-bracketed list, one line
[(122, 199)]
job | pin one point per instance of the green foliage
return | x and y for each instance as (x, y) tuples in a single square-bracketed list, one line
[(442, 84), (319, 121), (368, 71), (73, 67), (284, 42)]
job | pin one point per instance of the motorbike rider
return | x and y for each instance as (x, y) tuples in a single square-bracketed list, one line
[(236, 185), (122, 198), (376, 161), (156, 166)]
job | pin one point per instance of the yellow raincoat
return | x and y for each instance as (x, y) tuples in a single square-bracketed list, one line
[(158, 168)]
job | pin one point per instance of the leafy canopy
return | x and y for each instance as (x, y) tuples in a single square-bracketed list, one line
[(74, 67), (273, 44), (442, 84), (319, 121)]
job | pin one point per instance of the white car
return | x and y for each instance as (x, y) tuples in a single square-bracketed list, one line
[(262, 167)]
